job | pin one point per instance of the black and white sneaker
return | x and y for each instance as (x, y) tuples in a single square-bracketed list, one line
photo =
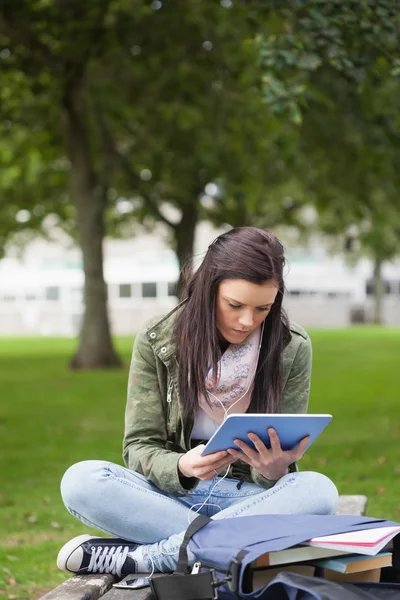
[(91, 554)]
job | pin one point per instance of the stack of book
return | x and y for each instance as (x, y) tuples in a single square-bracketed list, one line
[(353, 556)]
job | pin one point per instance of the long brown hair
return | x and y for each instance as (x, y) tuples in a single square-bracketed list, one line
[(246, 253)]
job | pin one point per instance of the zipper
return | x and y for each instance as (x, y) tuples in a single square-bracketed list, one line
[(169, 392), (169, 401)]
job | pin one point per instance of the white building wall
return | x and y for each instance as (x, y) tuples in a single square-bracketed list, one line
[(41, 294)]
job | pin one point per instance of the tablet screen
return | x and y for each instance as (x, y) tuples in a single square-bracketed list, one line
[(291, 429)]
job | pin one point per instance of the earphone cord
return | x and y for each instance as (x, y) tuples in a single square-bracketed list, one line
[(225, 416), (250, 379), (189, 521), (201, 505)]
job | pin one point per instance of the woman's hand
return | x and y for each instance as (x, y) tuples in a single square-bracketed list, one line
[(272, 464), (192, 464)]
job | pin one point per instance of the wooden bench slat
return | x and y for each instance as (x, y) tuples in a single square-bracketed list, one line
[(82, 587), (139, 594), (352, 505)]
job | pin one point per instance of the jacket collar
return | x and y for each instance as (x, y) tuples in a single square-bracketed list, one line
[(160, 334)]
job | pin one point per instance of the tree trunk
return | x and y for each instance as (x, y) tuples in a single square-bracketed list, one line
[(95, 344), (379, 292), (184, 234)]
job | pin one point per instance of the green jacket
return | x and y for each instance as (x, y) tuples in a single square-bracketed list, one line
[(156, 435)]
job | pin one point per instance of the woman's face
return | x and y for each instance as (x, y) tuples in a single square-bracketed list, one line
[(242, 306)]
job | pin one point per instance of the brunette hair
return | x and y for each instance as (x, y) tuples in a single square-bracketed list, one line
[(246, 253)]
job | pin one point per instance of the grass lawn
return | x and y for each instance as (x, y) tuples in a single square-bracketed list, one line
[(51, 418)]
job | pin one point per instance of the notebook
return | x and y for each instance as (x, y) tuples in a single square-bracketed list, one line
[(365, 541), (294, 555)]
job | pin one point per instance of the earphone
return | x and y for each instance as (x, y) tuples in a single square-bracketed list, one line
[(225, 416), (250, 379), (201, 505)]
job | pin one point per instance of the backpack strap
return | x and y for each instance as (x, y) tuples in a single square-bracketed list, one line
[(199, 522), (234, 570)]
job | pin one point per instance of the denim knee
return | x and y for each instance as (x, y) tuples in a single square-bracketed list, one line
[(79, 483), (323, 491)]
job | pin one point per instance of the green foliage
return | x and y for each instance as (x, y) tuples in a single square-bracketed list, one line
[(214, 98), (164, 114), (202, 121), (33, 168), (353, 144), (305, 37)]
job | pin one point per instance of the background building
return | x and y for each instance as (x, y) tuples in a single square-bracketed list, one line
[(41, 292)]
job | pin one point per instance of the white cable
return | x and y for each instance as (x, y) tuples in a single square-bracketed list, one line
[(251, 379), (225, 416), (216, 484), (228, 469)]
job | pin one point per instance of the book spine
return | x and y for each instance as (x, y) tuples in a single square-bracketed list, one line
[(262, 561)]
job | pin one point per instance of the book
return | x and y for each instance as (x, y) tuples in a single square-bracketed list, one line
[(263, 576), (364, 541), (295, 554), (354, 563)]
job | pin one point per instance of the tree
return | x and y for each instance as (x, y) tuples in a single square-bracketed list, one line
[(168, 131), (175, 138), (201, 123), (252, 155), (353, 143), (38, 38), (33, 177), (328, 63)]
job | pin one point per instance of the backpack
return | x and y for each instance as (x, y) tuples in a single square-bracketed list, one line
[(226, 548)]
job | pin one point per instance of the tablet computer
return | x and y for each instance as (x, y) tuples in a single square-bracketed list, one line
[(291, 429)]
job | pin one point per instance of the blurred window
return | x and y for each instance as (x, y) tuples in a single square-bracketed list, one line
[(8, 298), (358, 314), (172, 291), (125, 290), (370, 287), (394, 287), (149, 290), (52, 293)]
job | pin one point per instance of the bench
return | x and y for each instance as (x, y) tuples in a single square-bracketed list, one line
[(92, 587)]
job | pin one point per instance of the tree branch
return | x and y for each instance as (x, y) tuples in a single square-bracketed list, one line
[(134, 180)]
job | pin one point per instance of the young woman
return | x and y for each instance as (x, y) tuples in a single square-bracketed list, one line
[(228, 348)]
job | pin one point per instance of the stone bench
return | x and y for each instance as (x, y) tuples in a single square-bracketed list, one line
[(92, 587)]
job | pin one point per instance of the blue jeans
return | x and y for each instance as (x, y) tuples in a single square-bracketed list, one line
[(125, 504)]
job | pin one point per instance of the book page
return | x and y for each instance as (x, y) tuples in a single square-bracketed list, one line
[(365, 537)]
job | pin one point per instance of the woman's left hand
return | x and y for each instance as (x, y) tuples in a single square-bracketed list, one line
[(272, 463)]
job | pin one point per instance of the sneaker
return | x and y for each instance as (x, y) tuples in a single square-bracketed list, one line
[(91, 554)]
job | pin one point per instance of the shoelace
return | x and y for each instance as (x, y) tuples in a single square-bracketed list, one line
[(107, 559)]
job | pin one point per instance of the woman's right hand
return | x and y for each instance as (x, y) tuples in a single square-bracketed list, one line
[(192, 464)]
